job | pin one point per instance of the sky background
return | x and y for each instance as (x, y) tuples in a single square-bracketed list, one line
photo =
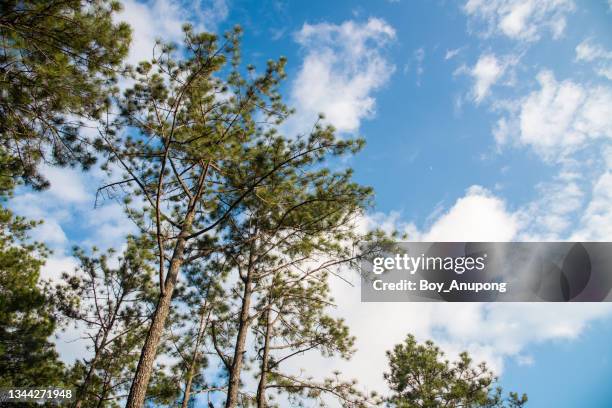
[(484, 120)]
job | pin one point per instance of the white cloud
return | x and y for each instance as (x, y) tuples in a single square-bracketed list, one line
[(523, 20), (66, 184), (343, 65), (501, 131), (562, 121), (56, 265), (559, 118), (69, 205), (159, 19), (486, 72), (596, 223), (493, 332), (479, 215), (450, 54), (605, 72), (164, 19), (589, 51), (551, 216)]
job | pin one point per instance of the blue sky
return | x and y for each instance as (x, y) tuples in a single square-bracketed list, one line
[(484, 120)]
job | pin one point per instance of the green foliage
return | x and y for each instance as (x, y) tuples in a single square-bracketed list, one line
[(206, 172), (201, 136), (57, 61), (420, 377), (27, 358), (108, 298)]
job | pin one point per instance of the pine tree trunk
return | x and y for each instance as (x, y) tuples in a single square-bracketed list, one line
[(85, 385), (261, 387), (142, 376), (103, 395), (243, 328), (194, 360)]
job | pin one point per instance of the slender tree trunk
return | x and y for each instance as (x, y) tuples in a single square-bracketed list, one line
[(194, 360), (85, 385), (243, 328), (105, 389), (142, 376), (261, 387)]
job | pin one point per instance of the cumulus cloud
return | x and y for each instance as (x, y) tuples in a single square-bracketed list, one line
[(343, 66), (523, 20), (559, 118), (494, 332), (562, 121), (479, 215)]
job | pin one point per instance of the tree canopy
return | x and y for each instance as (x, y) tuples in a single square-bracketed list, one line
[(420, 377), (27, 357), (58, 62)]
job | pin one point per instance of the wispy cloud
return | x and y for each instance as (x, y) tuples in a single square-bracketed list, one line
[(452, 53), (524, 20), (591, 52), (486, 72)]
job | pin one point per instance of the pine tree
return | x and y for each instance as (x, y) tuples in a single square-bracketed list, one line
[(109, 305), (295, 321), (57, 62), (286, 241), (420, 377), (303, 217), (27, 357), (195, 147)]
